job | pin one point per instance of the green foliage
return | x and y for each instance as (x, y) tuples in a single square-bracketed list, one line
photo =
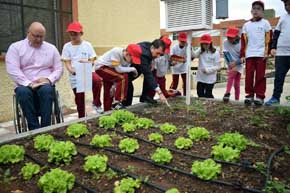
[(225, 111), (56, 180), (172, 190), (144, 123), (123, 116), (101, 140), (206, 170), (287, 98), (283, 111), (155, 137), (199, 108), (225, 153), (287, 150), (198, 133), (183, 143), (129, 127), (257, 120), (96, 163), (29, 170), (11, 154), (234, 140), (288, 128), (43, 142), (61, 151), (76, 130), (261, 167), (162, 156), (107, 122), (168, 128), (128, 145), (276, 186), (127, 185)]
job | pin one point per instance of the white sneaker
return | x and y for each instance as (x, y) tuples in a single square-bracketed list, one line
[(99, 109)]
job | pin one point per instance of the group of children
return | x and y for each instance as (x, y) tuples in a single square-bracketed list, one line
[(252, 48)]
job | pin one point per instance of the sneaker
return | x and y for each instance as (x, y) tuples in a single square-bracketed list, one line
[(99, 109), (248, 100), (226, 97), (258, 102), (118, 105), (272, 101), (148, 99)]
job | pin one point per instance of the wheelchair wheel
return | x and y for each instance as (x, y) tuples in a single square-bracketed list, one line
[(57, 113), (20, 123)]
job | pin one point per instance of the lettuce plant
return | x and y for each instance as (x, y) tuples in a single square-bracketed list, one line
[(76, 130), (162, 156), (172, 190), (43, 142), (11, 154), (56, 180), (155, 137), (183, 143), (206, 170), (101, 140), (198, 133), (129, 127), (127, 185), (234, 140), (128, 145), (96, 163), (123, 116), (144, 123), (61, 151), (168, 128), (29, 170), (225, 153), (107, 122)]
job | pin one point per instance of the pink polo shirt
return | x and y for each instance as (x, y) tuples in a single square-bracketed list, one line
[(25, 64)]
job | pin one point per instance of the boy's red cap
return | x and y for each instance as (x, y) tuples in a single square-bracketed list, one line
[(74, 27), (232, 32), (167, 43), (261, 3), (135, 51), (205, 39), (182, 36)]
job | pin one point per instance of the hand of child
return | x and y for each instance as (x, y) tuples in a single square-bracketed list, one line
[(232, 64), (273, 52), (72, 71), (83, 60), (204, 71), (243, 59), (135, 73)]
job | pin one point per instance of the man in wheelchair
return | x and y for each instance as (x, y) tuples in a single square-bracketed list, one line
[(34, 65)]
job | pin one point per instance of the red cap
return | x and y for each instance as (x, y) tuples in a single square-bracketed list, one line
[(182, 36), (167, 43), (135, 51), (74, 27), (205, 39), (232, 32), (261, 3)]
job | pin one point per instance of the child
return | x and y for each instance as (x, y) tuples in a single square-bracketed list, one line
[(231, 51), (281, 49), (78, 50), (113, 67), (209, 64), (255, 42)]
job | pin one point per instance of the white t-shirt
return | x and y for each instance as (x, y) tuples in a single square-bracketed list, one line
[(161, 65), (180, 67), (283, 45), (114, 59), (256, 37), (234, 50), (74, 53), (211, 63)]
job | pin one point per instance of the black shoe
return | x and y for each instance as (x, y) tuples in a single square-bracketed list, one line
[(147, 99), (226, 97), (117, 106), (248, 101), (258, 102)]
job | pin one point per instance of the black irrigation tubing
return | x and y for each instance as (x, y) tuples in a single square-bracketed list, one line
[(243, 165), (89, 190)]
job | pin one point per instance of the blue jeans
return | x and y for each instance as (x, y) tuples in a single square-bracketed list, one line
[(282, 66), (34, 103)]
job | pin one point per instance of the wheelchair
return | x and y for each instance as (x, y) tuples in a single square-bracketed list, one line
[(20, 122)]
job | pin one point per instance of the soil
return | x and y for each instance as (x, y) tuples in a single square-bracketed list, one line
[(261, 125)]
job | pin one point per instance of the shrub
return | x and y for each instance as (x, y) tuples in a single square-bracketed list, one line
[(144, 123), (61, 151), (76, 130), (101, 141), (168, 128), (43, 142), (11, 154), (107, 122), (127, 185), (198, 133), (155, 137), (123, 116), (225, 153), (129, 127), (172, 190), (29, 170), (162, 156), (96, 163), (234, 140), (183, 143), (206, 170), (128, 145)]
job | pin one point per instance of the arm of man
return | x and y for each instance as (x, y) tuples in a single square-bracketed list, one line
[(57, 68)]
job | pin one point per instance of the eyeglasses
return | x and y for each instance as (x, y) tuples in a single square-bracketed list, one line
[(37, 36)]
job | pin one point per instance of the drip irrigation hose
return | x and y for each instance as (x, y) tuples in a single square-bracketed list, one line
[(89, 190), (242, 165)]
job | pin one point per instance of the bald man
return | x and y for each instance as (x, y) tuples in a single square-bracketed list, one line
[(35, 66)]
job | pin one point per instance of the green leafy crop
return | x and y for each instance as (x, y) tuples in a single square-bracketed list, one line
[(206, 170), (96, 163), (172, 190), (61, 151), (234, 140), (155, 137), (198, 133), (107, 122), (128, 145), (129, 127), (127, 185), (56, 180), (43, 142), (101, 140), (29, 170), (76, 130), (11, 154), (123, 116), (183, 143), (162, 156), (225, 153), (168, 128), (144, 123)]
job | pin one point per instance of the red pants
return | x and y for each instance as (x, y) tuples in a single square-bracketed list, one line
[(255, 77), (80, 97), (111, 76), (175, 80), (161, 81)]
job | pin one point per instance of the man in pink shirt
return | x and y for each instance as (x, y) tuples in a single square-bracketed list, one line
[(34, 65)]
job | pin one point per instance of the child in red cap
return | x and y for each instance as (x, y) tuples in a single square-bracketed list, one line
[(232, 47), (78, 50), (209, 64)]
